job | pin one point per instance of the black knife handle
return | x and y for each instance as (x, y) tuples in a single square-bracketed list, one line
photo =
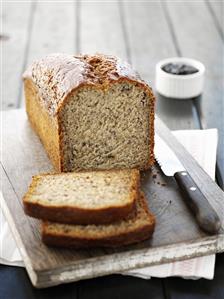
[(206, 216)]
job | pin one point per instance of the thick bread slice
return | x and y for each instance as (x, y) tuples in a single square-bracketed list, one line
[(83, 197), (138, 226)]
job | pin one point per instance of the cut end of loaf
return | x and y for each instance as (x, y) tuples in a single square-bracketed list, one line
[(83, 197), (137, 226), (108, 129)]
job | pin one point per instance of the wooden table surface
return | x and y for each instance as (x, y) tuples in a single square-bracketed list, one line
[(142, 32)]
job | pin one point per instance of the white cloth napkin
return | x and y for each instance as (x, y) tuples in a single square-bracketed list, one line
[(202, 144)]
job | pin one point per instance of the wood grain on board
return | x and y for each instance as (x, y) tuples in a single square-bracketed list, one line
[(177, 235)]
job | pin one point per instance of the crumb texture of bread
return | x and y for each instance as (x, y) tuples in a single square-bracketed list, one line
[(106, 130), (101, 112), (83, 197), (137, 226)]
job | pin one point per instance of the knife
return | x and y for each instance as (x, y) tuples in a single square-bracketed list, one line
[(206, 216)]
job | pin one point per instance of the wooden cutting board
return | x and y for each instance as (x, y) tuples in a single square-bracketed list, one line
[(177, 235)]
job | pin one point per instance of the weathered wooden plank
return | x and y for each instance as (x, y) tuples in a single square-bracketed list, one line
[(172, 240), (150, 40), (100, 28), (17, 19), (216, 9), (54, 30), (207, 47)]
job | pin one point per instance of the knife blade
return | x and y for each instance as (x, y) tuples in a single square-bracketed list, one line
[(206, 216)]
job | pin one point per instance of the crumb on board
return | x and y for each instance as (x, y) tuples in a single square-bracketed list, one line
[(154, 176)]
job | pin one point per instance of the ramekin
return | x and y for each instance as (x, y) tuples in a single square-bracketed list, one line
[(180, 86)]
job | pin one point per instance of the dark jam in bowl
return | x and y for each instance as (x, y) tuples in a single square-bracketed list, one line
[(179, 69)]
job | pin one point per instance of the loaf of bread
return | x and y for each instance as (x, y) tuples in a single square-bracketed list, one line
[(138, 226), (94, 197), (90, 112)]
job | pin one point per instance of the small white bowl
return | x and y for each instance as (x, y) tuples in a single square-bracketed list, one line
[(180, 86)]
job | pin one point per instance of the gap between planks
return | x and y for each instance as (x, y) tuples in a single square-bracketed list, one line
[(208, 114)]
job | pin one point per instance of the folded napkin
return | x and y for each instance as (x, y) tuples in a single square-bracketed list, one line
[(202, 144)]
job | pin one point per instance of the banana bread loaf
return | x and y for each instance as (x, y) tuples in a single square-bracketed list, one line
[(90, 112)]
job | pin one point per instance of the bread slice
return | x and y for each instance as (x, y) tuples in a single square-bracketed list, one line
[(83, 197), (138, 226)]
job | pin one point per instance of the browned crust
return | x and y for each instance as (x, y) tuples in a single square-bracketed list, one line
[(151, 133), (133, 236), (140, 234), (43, 124), (66, 74), (56, 75), (76, 215)]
